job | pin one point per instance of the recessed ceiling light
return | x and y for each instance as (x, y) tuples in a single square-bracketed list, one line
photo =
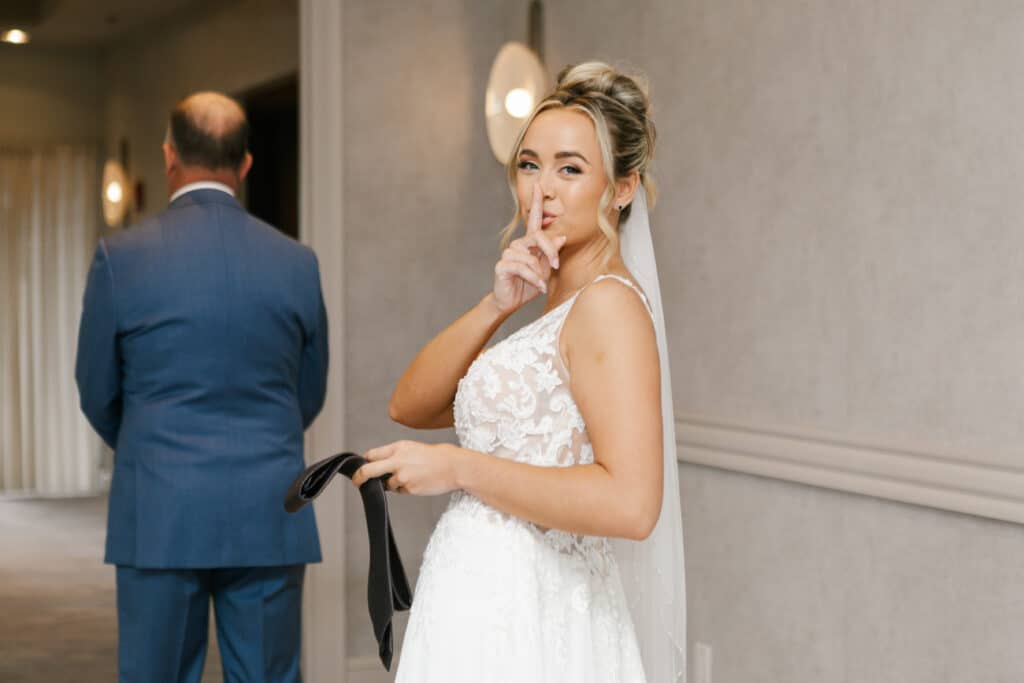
[(15, 36)]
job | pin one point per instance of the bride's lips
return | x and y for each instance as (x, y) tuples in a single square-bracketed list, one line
[(547, 219)]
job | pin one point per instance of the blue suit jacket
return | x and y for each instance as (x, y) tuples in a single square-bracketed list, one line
[(202, 358)]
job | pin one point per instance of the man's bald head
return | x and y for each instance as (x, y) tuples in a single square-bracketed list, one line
[(209, 130)]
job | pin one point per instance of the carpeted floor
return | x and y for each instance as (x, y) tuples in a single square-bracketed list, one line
[(59, 619)]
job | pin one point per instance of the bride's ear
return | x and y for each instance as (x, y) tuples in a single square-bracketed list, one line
[(625, 190)]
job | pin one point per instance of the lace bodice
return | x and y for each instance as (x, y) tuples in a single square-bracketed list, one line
[(515, 403), (498, 598)]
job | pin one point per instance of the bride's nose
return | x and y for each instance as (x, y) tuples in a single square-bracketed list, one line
[(545, 188)]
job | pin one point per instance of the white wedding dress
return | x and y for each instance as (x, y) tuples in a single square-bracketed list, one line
[(499, 599)]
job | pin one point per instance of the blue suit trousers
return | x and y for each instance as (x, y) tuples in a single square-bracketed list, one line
[(163, 616)]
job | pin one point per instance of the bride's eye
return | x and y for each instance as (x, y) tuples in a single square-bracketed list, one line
[(571, 170), (525, 165)]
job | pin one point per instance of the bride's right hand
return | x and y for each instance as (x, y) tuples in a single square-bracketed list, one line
[(525, 266)]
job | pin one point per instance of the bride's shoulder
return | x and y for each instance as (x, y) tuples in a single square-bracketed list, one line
[(613, 295), (611, 308)]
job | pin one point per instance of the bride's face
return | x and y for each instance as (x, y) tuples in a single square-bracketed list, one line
[(560, 152)]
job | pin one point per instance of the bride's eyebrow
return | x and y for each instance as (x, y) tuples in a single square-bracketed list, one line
[(558, 155), (566, 155)]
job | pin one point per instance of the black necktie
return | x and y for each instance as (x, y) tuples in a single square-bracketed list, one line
[(387, 590)]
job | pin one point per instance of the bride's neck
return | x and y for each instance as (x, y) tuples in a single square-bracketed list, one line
[(578, 269)]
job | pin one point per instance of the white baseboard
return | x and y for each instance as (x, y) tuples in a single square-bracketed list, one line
[(36, 495), (369, 670), (933, 480)]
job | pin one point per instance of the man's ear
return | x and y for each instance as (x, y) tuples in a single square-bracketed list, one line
[(246, 166), (170, 158), (625, 189)]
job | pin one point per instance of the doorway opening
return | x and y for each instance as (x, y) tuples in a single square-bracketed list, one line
[(271, 190)]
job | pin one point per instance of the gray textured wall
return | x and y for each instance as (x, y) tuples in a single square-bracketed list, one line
[(425, 202), (794, 584), (49, 96), (840, 191), (838, 194)]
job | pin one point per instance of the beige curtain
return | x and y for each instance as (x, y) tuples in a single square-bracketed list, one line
[(48, 230)]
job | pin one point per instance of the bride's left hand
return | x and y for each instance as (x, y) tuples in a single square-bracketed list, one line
[(416, 468)]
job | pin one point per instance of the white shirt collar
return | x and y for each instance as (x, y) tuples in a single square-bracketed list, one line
[(202, 185)]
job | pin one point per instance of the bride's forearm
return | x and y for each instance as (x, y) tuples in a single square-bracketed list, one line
[(583, 499), (427, 387)]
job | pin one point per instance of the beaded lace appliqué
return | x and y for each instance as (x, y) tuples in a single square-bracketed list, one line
[(531, 594), (515, 403)]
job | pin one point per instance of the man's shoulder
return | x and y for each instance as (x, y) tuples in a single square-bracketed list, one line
[(134, 236), (173, 233), (280, 242), (147, 232)]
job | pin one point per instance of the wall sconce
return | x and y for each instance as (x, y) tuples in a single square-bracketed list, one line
[(115, 193), (14, 36), (518, 80)]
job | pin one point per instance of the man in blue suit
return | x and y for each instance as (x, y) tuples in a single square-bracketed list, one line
[(202, 358)]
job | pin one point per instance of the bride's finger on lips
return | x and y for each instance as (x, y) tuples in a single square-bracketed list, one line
[(534, 229), (546, 245), (535, 214)]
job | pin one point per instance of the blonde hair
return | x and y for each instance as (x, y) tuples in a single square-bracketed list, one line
[(619, 107)]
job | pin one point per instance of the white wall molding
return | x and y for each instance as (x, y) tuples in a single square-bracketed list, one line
[(369, 670), (321, 226), (939, 481)]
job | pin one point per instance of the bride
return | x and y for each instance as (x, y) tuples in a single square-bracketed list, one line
[(559, 557)]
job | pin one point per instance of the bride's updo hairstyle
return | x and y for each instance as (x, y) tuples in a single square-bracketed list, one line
[(619, 106)]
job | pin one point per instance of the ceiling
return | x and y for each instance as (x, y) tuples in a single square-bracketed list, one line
[(87, 23)]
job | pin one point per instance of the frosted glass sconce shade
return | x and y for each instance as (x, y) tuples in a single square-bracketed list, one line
[(115, 193), (517, 82)]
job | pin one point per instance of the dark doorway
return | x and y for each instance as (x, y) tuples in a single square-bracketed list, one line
[(272, 187)]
